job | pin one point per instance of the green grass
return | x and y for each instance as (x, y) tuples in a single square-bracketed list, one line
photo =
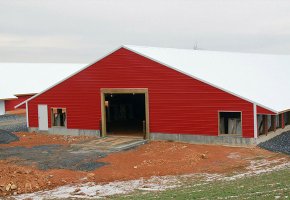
[(274, 185)]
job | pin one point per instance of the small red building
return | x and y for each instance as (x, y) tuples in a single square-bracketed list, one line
[(12, 102), (20, 81), (7, 105), (170, 94)]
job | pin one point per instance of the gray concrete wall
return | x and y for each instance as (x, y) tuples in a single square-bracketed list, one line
[(202, 139), (2, 107), (232, 140), (65, 131)]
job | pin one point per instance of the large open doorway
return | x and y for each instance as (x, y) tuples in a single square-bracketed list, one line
[(125, 112), (230, 123)]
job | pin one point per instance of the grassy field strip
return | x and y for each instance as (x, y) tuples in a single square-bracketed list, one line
[(270, 185), (251, 191)]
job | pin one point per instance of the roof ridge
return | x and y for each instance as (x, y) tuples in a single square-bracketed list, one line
[(205, 50)]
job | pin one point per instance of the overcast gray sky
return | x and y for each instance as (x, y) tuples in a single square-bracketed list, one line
[(83, 30)]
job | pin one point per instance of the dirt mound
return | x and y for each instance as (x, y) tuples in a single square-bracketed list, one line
[(7, 137), (16, 179), (159, 158), (38, 139)]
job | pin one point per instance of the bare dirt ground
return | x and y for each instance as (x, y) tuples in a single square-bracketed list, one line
[(22, 174), (172, 158), (17, 112), (35, 139)]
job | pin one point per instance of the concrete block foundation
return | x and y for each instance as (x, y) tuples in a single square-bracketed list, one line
[(232, 140), (65, 131)]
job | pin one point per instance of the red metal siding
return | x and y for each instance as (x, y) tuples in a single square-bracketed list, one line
[(264, 111), (11, 103), (177, 103)]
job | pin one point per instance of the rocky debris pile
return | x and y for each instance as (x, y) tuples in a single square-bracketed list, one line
[(15, 179), (9, 188), (280, 143), (6, 137)]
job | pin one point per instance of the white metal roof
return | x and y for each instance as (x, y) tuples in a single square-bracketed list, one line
[(258, 78), (27, 78)]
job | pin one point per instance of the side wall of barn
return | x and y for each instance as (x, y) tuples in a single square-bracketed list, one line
[(178, 104), (264, 111)]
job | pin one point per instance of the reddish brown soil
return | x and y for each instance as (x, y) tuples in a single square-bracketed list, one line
[(173, 158), (28, 178), (17, 112), (153, 159), (36, 139)]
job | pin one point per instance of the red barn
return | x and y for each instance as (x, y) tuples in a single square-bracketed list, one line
[(170, 94), (12, 102)]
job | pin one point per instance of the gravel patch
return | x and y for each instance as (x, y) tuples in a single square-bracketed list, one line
[(280, 143), (9, 117), (53, 157), (13, 123), (6, 137)]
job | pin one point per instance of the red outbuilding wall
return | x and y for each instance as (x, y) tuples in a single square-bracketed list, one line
[(11, 103), (264, 111), (177, 102)]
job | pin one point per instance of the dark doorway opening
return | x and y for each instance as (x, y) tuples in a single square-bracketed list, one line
[(230, 123), (125, 114)]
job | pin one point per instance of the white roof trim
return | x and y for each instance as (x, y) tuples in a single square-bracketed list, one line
[(128, 48)]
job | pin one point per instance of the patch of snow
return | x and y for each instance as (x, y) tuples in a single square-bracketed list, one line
[(234, 155), (261, 166), (92, 190)]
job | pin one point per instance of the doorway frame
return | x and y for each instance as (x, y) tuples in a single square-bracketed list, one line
[(124, 91), (229, 111), (40, 116)]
